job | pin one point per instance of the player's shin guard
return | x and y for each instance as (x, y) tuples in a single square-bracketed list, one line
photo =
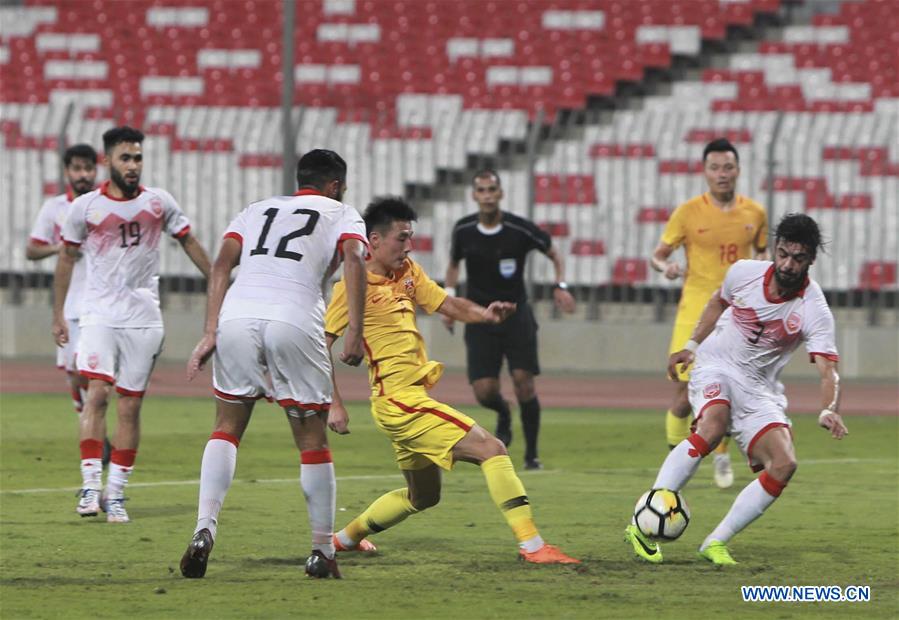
[(320, 489), (530, 423), (216, 474), (676, 429), (91, 464), (749, 506), (510, 497), (385, 512), (121, 464), (681, 463)]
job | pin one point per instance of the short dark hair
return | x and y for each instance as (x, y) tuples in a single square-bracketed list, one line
[(382, 212), (319, 167), (799, 228), (720, 145), (117, 135), (484, 173), (84, 151)]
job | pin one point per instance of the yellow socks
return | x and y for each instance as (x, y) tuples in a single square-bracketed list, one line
[(509, 496), (386, 511), (676, 429)]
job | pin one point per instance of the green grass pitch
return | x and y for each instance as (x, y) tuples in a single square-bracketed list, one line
[(836, 524)]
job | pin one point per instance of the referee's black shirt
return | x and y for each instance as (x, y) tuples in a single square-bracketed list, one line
[(494, 263)]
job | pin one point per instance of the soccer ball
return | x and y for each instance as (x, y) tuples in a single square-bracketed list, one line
[(662, 514)]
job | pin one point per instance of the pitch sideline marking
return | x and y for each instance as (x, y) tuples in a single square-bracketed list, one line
[(196, 481)]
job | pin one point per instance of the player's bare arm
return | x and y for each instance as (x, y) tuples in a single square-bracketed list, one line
[(196, 253), (227, 259), (338, 418), (830, 398), (660, 262), (467, 311), (61, 281), (354, 276), (40, 251), (562, 297), (683, 358), (449, 284)]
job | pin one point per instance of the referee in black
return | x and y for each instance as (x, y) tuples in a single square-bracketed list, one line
[(494, 246)]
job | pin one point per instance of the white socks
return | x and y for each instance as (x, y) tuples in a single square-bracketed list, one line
[(320, 490), (749, 506), (216, 474)]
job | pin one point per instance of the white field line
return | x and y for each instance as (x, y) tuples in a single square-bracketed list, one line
[(618, 470)]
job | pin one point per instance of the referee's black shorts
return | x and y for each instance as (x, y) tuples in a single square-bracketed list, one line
[(515, 339)]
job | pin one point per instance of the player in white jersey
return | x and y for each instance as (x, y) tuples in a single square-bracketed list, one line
[(266, 334), (80, 166), (744, 338), (117, 228)]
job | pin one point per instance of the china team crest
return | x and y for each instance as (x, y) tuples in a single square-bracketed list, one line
[(794, 322), (156, 207), (711, 390), (93, 360), (409, 283)]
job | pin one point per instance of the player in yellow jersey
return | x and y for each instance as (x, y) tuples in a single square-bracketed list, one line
[(427, 435), (716, 228)]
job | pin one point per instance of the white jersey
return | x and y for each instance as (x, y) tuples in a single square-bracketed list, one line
[(120, 242), (290, 246), (757, 334), (47, 231)]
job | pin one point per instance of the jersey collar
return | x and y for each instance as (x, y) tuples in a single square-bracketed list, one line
[(104, 190), (779, 300), (308, 192)]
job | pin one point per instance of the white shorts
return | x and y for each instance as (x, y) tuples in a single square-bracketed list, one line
[(256, 358), (123, 356), (67, 353), (754, 409)]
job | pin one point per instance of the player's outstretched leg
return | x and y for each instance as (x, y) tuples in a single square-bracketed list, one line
[(509, 495), (775, 449), (385, 512)]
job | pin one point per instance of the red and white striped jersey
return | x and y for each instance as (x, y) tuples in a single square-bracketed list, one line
[(290, 247), (757, 333), (120, 241), (47, 231)]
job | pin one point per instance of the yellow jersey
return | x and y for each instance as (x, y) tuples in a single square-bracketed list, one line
[(394, 348), (715, 239)]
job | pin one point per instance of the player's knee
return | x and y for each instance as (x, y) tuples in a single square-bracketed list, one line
[(98, 398), (493, 447), (424, 500), (488, 398), (783, 468), (526, 393)]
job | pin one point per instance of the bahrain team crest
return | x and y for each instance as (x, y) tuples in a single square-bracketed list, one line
[(711, 390), (794, 322), (156, 207), (93, 360)]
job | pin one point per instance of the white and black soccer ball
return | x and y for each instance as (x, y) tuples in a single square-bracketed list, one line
[(662, 514)]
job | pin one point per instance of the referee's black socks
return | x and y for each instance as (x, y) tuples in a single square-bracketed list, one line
[(530, 422)]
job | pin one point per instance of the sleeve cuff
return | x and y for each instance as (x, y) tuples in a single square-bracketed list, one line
[(833, 357), (37, 241), (348, 236), (233, 235), (182, 233), (72, 244)]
